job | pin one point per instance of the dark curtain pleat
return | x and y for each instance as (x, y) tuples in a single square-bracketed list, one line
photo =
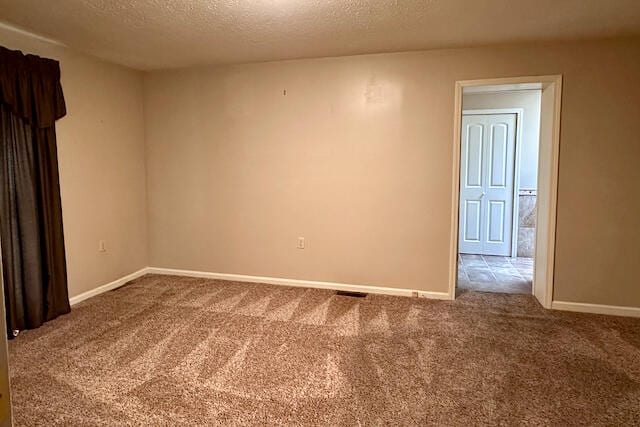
[(21, 246), (31, 233), (51, 229)]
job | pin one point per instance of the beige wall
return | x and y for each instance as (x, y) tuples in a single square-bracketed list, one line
[(101, 161), (357, 158), (529, 102)]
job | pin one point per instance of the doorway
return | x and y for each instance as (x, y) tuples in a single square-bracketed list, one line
[(505, 183)]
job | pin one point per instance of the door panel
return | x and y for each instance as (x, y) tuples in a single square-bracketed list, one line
[(471, 184), (496, 221), (498, 163), (474, 157), (487, 184), (472, 221)]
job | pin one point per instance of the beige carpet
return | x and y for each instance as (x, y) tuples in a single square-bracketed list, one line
[(181, 351)]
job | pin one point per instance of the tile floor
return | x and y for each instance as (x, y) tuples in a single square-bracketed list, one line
[(495, 274)]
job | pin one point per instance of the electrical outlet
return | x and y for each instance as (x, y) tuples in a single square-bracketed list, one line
[(300, 242), (102, 246)]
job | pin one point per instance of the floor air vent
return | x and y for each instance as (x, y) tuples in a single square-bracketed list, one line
[(351, 294)]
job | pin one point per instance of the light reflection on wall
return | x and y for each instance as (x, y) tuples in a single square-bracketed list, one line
[(381, 95)]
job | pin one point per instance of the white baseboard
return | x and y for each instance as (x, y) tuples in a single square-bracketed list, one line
[(613, 310), (109, 286), (301, 283)]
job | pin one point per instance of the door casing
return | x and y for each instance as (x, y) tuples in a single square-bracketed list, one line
[(5, 392), (547, 192)]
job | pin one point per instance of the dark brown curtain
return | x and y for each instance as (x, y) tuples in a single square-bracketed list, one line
[(31, 235)]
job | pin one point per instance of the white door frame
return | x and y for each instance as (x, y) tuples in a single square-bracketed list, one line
[(548, 192), (5, 389), (519, 112)]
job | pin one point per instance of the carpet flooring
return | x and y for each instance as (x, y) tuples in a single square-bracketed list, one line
[(168, 350)]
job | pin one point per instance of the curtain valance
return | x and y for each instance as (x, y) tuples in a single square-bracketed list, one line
[(30, 87)]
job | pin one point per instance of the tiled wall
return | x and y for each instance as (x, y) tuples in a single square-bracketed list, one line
[(526, 223)]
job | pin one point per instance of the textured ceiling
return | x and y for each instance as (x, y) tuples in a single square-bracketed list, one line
[(153, 34)]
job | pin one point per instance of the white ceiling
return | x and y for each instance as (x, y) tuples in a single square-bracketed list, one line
[(153, 34)]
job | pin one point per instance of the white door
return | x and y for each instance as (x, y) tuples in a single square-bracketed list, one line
[(486, 183)]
